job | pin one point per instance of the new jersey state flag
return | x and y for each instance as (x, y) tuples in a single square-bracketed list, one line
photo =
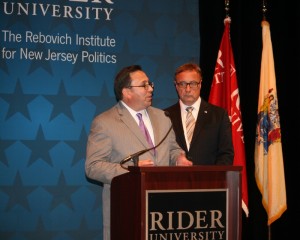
[(225, 93), (269, 169)]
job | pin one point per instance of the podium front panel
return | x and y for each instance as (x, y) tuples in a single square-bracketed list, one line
[(187, 214), (151, 203)]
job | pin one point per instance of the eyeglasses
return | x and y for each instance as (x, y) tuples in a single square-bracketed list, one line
[(192, 85), (145, 85)]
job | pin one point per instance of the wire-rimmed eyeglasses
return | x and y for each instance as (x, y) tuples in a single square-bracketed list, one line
[(185, 84), (145, 85)]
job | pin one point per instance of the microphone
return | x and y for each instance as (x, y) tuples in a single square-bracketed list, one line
[(135, 156)]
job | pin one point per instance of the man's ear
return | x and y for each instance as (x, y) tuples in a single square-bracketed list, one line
[(126, 92)]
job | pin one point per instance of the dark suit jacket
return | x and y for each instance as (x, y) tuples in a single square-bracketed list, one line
[(212, 138)]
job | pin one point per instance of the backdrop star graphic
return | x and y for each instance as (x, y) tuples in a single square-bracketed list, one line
[(18, 101), (40, 232), (94, 188), (61, 193), (17, 193), (3, 66), (102, 102), (123, 58), (61, 102), (40, 148), (86, 65), (146, 19), (40, 63), (4, 144), (77, 146), (84, 232)]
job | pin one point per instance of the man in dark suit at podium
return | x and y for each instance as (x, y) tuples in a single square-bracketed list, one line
[(202, 130), (116, 134)]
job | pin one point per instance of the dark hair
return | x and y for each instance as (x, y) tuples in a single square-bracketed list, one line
[(188, 67), (123, 80)]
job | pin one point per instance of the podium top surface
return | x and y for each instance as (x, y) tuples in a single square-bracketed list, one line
[(206, 168)]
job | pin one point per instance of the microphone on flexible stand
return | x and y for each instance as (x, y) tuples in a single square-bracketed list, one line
[(135, 156)]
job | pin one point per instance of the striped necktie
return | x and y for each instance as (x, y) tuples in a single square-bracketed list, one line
[(190, 123)]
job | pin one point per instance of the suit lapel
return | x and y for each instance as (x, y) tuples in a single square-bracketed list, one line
[(178, 127), (155, 125), (201, 119), (128, 120)]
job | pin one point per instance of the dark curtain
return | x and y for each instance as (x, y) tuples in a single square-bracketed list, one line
[(246, 39)]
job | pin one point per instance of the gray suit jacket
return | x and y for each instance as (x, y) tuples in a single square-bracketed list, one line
[(114, 135)]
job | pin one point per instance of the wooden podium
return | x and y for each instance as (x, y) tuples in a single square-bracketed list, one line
[(198, 202)]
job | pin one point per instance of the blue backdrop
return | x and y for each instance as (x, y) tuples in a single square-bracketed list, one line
[(58, 62)]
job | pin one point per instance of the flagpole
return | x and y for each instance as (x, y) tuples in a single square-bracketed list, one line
[(273, 190), (264, 9), (264, 17), (224, 93), (227, 8)]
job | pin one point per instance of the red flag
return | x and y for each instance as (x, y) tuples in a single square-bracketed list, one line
[(269, 169), (225, 93)]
